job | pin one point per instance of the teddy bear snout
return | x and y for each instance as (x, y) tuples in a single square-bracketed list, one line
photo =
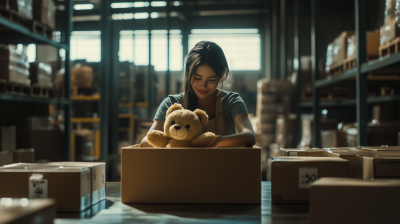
[(177, 127), (178, 132)]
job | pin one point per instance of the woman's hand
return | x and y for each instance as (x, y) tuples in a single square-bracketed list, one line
[(217, 141)]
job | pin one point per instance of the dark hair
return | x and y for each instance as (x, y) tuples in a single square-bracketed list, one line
[(203, 53)]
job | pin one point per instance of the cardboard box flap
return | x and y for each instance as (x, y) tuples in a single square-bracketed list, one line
[(337, 182), (39, 168), (307, 159), (381, 148)]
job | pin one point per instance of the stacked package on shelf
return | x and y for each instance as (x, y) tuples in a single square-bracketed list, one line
[(44, 11), (14, 66), (390, 29), (328, 127), (7, 144), (22, 7), (372, 45), (337, 50), (273, 100), (41, 74)]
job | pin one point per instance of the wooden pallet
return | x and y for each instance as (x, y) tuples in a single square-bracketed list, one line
[(332, 96), (41, 28), (389, 48), (14, 88), (346, 64), (41, 91)]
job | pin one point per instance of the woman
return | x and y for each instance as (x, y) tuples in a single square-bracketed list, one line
[(206, 68)]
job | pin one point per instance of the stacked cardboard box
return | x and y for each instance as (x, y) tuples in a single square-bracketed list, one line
[(40, 74), (325, 124), (372, 45), (44, 11), (23, 8), (378, 134), (354, 201), (314, 152), (7, 144), (24, 156), (40, 134), (390, 28), (14, 65), (22, 210), (273, 100)]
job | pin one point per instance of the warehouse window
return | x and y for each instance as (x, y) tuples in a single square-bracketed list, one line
[(134, 47), (241, 46), (86, 45)]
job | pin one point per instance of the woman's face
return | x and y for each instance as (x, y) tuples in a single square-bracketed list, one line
[(204, 81)]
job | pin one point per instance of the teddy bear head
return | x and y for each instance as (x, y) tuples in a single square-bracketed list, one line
[(182, 124)]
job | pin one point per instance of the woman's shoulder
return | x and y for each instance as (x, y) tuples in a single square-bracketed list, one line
[(173, 98), (231, 96)]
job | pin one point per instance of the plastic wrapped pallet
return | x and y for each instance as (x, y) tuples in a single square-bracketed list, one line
[(41, 74), (337, 50), (14, 65), (22, 7), (390, 28), (373, 41), (82, 75), (44, 11)]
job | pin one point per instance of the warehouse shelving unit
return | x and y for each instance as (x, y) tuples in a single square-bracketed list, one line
[(14, 33), (359, 73)]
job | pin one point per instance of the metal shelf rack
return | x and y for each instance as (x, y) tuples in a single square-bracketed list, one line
[(13, 33)]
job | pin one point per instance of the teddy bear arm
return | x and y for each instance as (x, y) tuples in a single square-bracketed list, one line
[(204, 140), (157, 138)]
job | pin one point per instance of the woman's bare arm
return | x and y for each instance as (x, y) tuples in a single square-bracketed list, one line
[(245, 137), (157, 125)]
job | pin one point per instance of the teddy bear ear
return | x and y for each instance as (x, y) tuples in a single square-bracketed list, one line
[(202, 115), (173, 108)]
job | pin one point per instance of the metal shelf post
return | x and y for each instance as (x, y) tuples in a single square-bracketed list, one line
[(297, 55), (316, 135)]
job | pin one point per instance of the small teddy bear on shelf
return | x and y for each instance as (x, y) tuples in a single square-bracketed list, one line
[(182, 128)]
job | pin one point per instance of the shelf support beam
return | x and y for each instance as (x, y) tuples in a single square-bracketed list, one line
[(297, 67), (283, 40), (361, 79), (316, 135)]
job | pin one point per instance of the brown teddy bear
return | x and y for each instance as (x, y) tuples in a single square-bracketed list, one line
[(182, 128)]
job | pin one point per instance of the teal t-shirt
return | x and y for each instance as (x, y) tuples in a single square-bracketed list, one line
[(233, 105)]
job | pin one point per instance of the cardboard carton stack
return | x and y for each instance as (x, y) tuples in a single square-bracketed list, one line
[(14, 65), (7, 144), (41, 74), (273, 100), (390, 29), (328, 125), (44, 11), (40, 134), (23, 8)]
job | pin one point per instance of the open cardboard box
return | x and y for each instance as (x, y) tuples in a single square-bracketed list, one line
[(191, 175)]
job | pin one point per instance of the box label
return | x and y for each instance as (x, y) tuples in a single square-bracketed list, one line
[(292, 153), (307, 175), (37, 188)]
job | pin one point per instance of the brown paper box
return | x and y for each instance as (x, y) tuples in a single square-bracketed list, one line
[(355, 165), (7, 138), (191, 175), (381, 167), (291, 176), (24, 211), (389, 31), (69, 186), (24, 156), (354, 201), (98, 178), (44, 11), (6, 158)]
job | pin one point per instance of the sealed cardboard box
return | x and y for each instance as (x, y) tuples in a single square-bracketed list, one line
[(191, 175), (69, 186), (291, 176), (354, 201), (302, 152), (7, 138), (373, 42), (355, 165), (40, 74), (389, 31), (24, 156), (98, 177), (23, 210), (6, 157), (14, 65), (381, 167)]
